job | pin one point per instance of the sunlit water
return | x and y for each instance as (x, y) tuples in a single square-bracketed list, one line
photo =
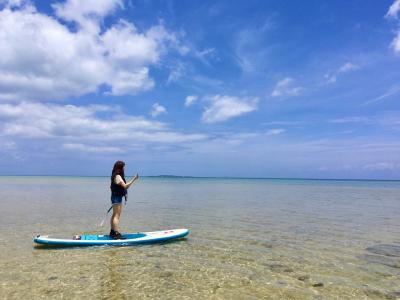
[(250, 239)]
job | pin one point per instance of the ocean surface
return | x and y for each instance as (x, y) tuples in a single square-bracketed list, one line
[(250, 239)]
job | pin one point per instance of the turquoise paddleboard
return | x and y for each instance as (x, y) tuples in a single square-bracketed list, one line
[(130, 238)]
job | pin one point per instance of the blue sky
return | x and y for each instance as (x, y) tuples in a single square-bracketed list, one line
[(201, 88)]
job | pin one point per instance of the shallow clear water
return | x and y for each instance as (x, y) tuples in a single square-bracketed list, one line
[(250, 238)]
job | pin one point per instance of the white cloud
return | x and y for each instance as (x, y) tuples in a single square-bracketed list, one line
[(275, 131), (91, 149), (157, 110), (394, 10), (286, 123), (87, 14), (41, 58), (207, 82), (347, 67), (81, 124), (286, 87), (345, 167), (177, 72), (330, 78), (7, 145), (205, 55), (14, 3), (246, 50), (80, 11), (223, 108), (249, 47), (205, 52), (396, 43), (382, 166), (389, 93), (190, 100), (393, 13), (345, 120)]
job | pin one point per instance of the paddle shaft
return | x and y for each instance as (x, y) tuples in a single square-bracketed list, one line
[(102, 222)]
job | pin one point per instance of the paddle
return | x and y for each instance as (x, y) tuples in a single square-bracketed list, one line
[(102, 222)]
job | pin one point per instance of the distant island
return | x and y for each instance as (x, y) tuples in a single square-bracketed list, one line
[(172, 176)]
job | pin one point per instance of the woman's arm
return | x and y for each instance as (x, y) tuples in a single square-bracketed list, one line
[(129, 183)]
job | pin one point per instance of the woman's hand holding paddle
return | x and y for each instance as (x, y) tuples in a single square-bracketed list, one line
[(129, 183)]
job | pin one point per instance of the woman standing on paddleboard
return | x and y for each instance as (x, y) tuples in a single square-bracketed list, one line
[(119, 189)]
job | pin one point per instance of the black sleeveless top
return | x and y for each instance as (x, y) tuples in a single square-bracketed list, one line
[(116, 189)]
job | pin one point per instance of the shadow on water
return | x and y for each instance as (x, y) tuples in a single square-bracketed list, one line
[(385, 249), (383, 254), (386, 255), (113, 280), (60, 247)]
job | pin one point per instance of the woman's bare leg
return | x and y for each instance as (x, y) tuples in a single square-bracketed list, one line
[(117, 209)]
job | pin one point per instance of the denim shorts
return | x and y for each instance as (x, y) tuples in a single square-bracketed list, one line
[(116, 199)]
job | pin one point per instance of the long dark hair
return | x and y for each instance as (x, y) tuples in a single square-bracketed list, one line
[(118, 169)]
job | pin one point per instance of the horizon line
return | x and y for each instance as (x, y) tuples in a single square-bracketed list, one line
[(212, 177)]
